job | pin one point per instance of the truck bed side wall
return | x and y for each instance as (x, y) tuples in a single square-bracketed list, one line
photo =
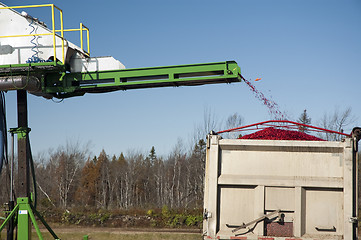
[(310, 182)]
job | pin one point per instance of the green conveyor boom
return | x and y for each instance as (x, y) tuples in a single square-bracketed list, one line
[(55, 81)]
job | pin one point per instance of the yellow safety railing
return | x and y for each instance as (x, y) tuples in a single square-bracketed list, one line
[(53, 30)]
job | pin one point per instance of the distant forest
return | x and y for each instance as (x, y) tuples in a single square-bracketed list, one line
[(69, 178)]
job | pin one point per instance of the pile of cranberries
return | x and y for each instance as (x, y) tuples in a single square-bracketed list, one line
[(272, 133)]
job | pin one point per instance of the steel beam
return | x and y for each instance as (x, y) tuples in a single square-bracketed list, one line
[(23, 152), (63, 85), (24, 224)]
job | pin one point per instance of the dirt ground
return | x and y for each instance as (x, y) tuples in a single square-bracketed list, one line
[(99, 233), (125, 230)]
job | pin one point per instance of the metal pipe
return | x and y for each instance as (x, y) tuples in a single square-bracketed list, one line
[(10, 231), (28, 35), (12, 168), (88, 40), (283, 121), (62, 35), (28, 6), (53, 30), (29, 83), (81, 36)]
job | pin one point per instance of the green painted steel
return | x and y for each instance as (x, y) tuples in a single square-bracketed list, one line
[(21, 132), (25, 217), (39, 64), (57, 82), (7, 220), (77, 84), (44, 222), (24, 224), (31, 69)]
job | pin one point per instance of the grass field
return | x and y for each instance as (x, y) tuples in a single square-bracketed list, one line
[(116, 234)]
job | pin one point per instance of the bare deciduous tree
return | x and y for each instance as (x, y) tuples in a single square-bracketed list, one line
[(64, 168), (234, 120), (339, 121), (210, 123)]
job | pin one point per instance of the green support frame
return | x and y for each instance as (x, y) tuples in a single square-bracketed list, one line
[(24, 210)]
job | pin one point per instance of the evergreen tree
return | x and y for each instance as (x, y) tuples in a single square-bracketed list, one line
[(304, 119), (152, 156)]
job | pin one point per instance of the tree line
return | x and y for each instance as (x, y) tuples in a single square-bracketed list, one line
[(69, 177)]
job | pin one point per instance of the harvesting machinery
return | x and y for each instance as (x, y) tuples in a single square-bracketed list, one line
[(39, 60)]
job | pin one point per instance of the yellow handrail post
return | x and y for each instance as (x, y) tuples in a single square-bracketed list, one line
[(81, 36), (53, 23), (62, 34), (87, 34), (54, 31)]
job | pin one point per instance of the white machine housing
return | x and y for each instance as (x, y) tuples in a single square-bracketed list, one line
[(18, 50)]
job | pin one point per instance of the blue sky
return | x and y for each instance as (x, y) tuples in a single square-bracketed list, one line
[(308, 54)]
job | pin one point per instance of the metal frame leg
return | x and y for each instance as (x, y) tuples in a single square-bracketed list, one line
[(24, 209), (27, 212)]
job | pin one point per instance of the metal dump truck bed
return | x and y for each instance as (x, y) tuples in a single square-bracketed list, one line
[(280, 189)]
